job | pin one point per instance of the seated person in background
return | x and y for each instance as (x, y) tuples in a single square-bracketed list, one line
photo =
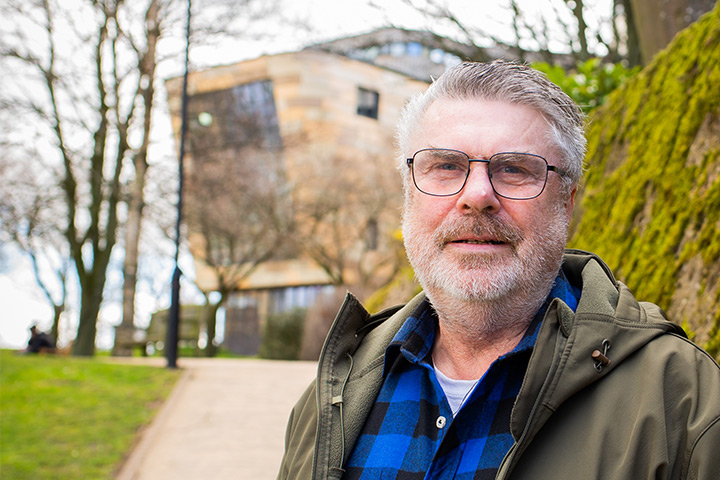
[(40, 342)]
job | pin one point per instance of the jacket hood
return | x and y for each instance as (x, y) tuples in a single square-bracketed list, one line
[(607, 327)]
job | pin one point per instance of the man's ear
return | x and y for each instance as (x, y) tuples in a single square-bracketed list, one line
[(570, 205)]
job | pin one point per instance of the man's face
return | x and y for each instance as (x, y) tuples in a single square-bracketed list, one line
[(475, 245)]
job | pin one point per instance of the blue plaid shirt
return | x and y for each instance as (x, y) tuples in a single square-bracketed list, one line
[(410, 432)]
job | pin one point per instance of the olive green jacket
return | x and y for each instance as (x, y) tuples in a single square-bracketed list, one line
[(652, 412)]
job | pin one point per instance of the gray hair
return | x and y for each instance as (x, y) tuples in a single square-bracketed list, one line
[(509, 82)]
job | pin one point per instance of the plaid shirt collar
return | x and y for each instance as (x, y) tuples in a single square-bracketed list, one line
[(416, 337)]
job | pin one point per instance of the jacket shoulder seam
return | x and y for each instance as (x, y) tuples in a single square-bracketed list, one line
[(696, 347), (686, 465)]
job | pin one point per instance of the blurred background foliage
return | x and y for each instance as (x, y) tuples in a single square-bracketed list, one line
[(590, 82)]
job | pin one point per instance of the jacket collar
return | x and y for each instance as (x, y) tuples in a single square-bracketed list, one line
[(562, 363)]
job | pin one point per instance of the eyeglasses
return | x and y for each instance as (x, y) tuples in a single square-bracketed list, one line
[(443, 172)]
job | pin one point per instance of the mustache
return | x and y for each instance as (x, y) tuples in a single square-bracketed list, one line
[(477, 225)]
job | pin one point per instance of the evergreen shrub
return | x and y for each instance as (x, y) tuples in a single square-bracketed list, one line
[(283, 335)]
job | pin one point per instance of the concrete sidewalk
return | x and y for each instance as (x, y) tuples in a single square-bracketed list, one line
[(225, 419)]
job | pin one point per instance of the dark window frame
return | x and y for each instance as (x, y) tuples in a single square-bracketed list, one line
[(368, 104)]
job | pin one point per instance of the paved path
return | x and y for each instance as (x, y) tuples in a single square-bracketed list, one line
[(225, 419)]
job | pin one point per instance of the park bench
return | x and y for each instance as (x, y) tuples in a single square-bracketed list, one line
[(150, 339)]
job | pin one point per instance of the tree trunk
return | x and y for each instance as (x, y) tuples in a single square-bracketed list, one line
[(657, 22), (132, 241), (91, 299), (634, 55), (578, 10), (57, 313), (130, 264), (136, 204), (210, 320)]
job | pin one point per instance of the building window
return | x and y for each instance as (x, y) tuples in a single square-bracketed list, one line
[(288, 298), (235, 118), (368, 101), (414, 49), (397, 49)]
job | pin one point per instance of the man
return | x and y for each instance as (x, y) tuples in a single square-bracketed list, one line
[(519, 359)]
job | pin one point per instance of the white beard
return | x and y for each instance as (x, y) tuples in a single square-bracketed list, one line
[(484, 292)]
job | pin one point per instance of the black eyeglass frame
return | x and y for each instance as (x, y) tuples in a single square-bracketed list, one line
[(549, 168)]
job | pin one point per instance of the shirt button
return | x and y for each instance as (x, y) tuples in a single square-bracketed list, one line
[(440, 422)]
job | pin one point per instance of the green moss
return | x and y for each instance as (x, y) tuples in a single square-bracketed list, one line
[(713, 345), (646, 208), (688, 329)]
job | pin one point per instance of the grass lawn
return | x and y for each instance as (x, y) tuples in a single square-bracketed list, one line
[(73, 418)]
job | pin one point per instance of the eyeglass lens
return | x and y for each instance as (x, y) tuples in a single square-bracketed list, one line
[(512, 175)]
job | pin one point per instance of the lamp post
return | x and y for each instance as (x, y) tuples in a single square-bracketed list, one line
[(173, 321)]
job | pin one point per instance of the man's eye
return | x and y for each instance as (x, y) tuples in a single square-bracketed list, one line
[(447, 166), (513, 170)]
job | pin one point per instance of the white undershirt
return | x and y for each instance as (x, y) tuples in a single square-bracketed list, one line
[(456, 391)]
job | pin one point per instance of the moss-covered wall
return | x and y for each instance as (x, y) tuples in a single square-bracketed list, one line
[(650, 203)]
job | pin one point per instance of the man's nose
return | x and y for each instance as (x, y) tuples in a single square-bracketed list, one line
[(478, 193)]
